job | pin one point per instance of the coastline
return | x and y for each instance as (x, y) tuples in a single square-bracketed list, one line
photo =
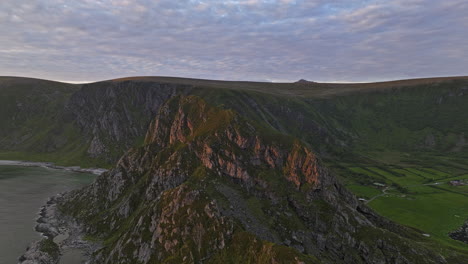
[(61, 235), (51, 165)]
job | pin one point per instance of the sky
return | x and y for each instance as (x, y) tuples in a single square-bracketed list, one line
[(256, 40)]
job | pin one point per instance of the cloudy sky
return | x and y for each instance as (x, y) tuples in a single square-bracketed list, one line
[(261, 40)]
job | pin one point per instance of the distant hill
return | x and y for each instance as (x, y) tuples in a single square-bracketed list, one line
[(97, 122), (249, 171), (314, 89)]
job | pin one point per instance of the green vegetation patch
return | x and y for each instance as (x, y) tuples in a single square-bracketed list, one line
[(246, 248), (435, 212), (48, 246), (405, 177), (422, 173), (366, 192), (439, 174), (365, 172)]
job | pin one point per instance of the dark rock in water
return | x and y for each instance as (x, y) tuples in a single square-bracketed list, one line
[(461, 233)]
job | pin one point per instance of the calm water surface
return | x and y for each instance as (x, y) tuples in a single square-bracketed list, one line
[(23, 190)]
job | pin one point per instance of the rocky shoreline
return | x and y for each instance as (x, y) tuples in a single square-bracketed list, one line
[(51, 165), (60, 234)]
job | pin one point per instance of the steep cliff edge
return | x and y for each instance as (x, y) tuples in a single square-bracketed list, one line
[(114, 116), (94, 124), (89, 124), (209, 186)]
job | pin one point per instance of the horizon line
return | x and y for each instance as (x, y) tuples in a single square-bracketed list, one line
[(277, 81)]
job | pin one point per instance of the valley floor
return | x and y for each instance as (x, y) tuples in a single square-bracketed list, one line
[(429, 193)]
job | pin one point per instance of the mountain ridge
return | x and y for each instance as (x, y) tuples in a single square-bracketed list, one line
[(183, 171), (96, 122), (93, 125), (322, 88)]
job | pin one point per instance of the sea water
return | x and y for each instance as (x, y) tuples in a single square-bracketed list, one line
[(23, 190)]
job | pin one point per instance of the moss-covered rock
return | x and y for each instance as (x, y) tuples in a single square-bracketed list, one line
[(210, 186)]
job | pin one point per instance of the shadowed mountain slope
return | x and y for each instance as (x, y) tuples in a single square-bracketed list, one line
[(209, 186), (93, 124), (248, 153)]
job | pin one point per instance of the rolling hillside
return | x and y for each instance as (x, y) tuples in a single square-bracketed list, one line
[(101, 120), (395, 145)]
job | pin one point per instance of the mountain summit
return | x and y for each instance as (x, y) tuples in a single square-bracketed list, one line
[(303, 81), (209, 186), (210, 171)]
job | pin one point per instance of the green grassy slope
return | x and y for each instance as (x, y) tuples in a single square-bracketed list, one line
[(420, 197), (404, 138), (424, 118), (403, 134), (203, 137), (33, 126), (387, 118), (302, 89), (421, 118)]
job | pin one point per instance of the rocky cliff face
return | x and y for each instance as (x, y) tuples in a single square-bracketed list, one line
[(461, 233), (115, 115), (94, 124), (209, 186)]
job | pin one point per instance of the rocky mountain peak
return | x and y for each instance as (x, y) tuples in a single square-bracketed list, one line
[(304, 81), (224, 141), (209, 186)]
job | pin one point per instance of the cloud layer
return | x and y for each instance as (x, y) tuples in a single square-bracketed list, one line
[(265, 40)]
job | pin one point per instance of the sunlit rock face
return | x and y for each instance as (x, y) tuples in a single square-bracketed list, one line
[(209, 186)]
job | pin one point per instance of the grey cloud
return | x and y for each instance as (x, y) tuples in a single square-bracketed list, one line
[(246, 39)]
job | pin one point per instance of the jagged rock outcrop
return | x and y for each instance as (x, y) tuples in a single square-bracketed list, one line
[(209, 186), (216, 148), (461, 233), (114, 115), (44, 251), (94, 124)]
